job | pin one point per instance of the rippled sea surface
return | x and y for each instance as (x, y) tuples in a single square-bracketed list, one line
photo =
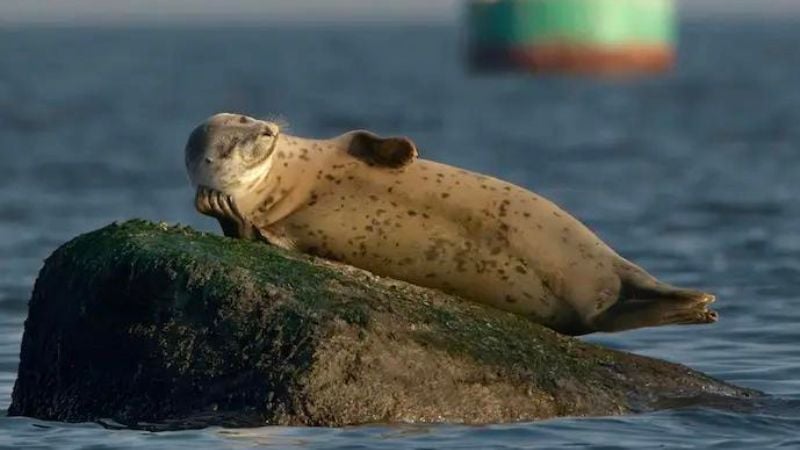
[(694, 175)]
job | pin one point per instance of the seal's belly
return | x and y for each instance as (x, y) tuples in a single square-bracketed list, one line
[(481, 240), (427, 251)]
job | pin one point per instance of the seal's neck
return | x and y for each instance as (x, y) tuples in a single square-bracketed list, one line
[(285, 181)]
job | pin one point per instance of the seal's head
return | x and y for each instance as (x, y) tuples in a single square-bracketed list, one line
[(228, 151)]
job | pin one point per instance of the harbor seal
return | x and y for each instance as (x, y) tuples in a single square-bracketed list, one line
[(371, 202)]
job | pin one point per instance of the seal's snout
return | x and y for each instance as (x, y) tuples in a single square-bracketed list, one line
[(239, 125), (266, 130)]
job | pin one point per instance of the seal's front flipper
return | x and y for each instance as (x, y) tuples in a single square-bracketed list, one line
[(222, 207), (392, 153)]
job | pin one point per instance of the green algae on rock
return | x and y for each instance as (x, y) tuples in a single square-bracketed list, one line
[(161, 327)]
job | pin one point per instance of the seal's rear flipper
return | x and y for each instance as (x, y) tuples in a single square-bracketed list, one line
[(628, 314), (392, 153), (643, 301)]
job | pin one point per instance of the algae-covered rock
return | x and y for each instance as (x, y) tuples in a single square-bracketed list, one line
[(165, 327)]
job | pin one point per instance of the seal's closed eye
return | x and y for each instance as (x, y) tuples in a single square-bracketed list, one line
[(393, 152)]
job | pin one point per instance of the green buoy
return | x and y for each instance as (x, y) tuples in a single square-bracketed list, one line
[(572, 36)]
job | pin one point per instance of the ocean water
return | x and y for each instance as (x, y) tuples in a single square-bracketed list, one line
[(693, 175)]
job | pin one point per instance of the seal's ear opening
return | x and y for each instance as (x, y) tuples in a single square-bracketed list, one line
[(393, 152)]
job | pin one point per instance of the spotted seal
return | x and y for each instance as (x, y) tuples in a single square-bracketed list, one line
[(370, 202)]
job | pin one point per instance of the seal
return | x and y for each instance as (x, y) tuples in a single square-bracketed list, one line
[(371, 202)]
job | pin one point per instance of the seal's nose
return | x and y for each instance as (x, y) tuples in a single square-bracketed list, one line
[(209, 160)]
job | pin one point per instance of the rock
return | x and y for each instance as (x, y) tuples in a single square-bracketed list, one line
[(163, 327)]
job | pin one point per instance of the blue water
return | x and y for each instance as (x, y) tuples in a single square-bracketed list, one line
[(693, 175)]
